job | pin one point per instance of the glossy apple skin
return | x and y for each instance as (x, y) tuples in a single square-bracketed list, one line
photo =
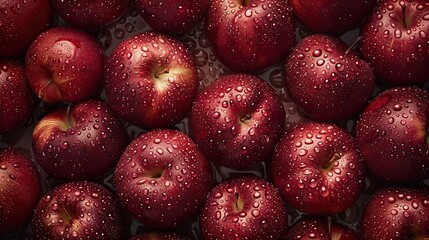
[(162, 178), (17, 102), (89, 14), (326, 79), (237, 120), (396, 213), (84, 145), (320, 229), (21, 22), (249, 36), (244, 208), (158, 236), (331, 16), (172, 16), (392, 134), (64, 65), (318, 168), (77, 210), (398, 53), (20, 189), (151, 80)]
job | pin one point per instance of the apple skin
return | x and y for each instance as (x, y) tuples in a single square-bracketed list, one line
[(83, 144), (156, 235), (90, 14), (162, 178), (77, 210), (21, 22), (327, 79), (396, 213), (64, 64), (247, 207), (237, 120), (20, 189), (318, 168), (394, 41), (250, 35), (172, 16), (151, 80), (331, 16), (392, 134), (320, 229), (17, 101)]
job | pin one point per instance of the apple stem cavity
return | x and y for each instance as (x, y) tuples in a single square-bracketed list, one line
[(243, 3), (238, 203), (329, 164), (40, 93), (354, 44), (66, 215), (159, 73), (405, 20), (245, 117)]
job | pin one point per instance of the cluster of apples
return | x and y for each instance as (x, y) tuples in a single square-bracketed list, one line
[(165, 178)]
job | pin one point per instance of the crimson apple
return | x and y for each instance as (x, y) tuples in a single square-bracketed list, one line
[(331, 16), (320, 229), (77, 210), (392, 134), (162, 178), (20, 189), (237, 120), (17, 102), (396, 213), (64, 64), (394, 41), (151, 80), (90, 13), (21, 22), (172, 16), (318, 168), (244, 208), (82, 142), (327, 79), (250, 35)]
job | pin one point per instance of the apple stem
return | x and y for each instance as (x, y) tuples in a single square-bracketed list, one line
[(329, 219), (404, 20), (39, 94), (353, 44), (163, 71), (245, 118), (237, 196), (68, 122)]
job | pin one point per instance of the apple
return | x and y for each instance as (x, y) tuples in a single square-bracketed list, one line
[(21, 22), (246, 207), (20, 189), (77, 210), (237, 120), (64, 64), (392, 134), (162, 178), (250, 35), (172, 16), (81, 142), (322, 229), (89, 14), (331, 16), (151, 80), (396, 213), (17, 102), (157, 235), (394, 41), (327, 79), (318, 168)]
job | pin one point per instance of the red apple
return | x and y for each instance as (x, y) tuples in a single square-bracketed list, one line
[(172, 16), (396, 213), (20, 189), (394, 41), (64, 64), (83, 142), (244, 208), (156, 235), (21, 22), (17, 102), (151, 80), (250, 35), (77, 210), (90, 13), (162, 178), (392, 134), (320, 229), (327, 79), (318, 168), (331, 16), (237, 120)]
